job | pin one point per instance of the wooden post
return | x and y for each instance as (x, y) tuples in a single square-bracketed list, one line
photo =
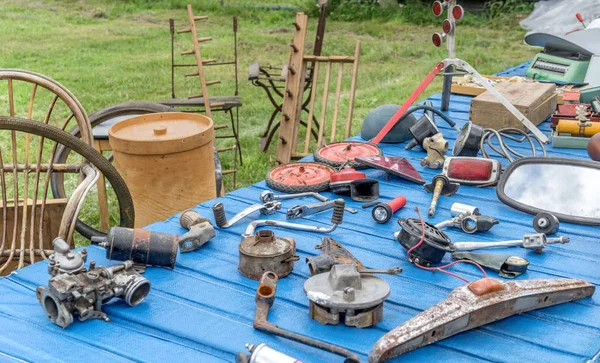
[(324, 106), (336, 106), (311, 106)]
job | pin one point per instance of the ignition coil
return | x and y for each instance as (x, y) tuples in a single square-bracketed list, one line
[(141, 246)]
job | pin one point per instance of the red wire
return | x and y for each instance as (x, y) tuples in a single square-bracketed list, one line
[(440, 268)]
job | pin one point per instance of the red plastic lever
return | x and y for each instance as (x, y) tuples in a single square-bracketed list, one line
[(397, 203), (413, 97)]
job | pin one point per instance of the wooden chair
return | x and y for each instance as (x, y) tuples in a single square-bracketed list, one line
[(32, 216), (272, 80), (289, 131)]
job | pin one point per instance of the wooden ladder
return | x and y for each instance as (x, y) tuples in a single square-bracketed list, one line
[(199, 61)]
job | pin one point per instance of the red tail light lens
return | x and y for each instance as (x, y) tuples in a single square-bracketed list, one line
[(472, 170), (437, 39), (437, 8), (458, 12), (447, 26)]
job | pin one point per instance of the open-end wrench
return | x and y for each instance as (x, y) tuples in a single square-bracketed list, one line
[(299, 211)]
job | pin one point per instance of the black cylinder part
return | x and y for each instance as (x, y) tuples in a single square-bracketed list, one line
[(140, 246)]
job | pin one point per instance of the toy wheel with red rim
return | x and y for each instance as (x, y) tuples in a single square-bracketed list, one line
[(299, 177), (343, 153)]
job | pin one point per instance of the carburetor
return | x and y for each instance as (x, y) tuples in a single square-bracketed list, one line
[(82, 292)]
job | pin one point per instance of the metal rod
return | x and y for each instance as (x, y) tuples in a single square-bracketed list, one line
[(439, 185), (172, 31)]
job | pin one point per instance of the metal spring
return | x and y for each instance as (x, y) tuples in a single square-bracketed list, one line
[(338, 211), (219, 213), (189, 218)]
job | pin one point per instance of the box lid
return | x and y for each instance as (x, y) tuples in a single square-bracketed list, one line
[(520, 94)]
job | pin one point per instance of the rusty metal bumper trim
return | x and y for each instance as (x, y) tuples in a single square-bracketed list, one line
[(470, 306)]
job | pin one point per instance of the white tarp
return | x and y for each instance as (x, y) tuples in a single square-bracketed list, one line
[(558, 16)]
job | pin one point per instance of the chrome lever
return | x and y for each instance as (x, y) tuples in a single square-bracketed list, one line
[(299, 211)]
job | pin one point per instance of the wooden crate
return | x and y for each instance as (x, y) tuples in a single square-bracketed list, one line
[(51, 225), (537, 101), (472, 89)]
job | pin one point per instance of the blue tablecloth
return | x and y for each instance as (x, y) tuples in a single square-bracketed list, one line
[(203, 310)]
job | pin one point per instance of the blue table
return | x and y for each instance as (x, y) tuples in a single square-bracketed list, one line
[(203, 310)]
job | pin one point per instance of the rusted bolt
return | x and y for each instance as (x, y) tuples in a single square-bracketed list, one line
[(296, 25), (294, 47), (349, 294)]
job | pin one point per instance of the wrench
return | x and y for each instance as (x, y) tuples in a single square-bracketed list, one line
[(299, 211)]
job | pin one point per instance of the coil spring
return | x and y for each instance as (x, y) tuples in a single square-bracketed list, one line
[(338, 211), (189, 218), (219, 213)]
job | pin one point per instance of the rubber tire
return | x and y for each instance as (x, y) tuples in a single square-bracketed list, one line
[(126, 208), (336, 165), (96, 118), (292, 189)]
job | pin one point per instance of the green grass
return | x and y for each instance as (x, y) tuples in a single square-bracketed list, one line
[(112, 52)]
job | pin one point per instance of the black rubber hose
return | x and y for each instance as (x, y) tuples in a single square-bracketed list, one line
[(126, 209)]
